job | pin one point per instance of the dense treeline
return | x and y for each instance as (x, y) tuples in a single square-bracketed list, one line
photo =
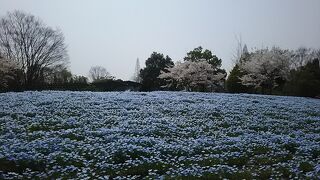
[(304, 81), (200, 71), (34, 56), (277, 71), (264, 71)]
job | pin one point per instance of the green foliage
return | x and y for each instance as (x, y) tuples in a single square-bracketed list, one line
[(261, 150), (233, 82), (305, 81), (315, 153), (238, 161), (285, 172), (265, 174), (114, 85), (306, 167), (198, 54), (79, 79), (154, 65), (20, 165), (291, 147)]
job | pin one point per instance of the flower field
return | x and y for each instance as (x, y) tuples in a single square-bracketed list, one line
[(131, 135)]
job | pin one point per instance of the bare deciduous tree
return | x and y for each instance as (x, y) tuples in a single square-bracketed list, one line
[(239, 51), (99, 73), (34, 46)]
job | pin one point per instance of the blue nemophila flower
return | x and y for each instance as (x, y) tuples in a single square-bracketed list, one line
[(159, 134)]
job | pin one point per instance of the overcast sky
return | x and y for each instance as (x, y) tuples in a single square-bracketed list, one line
[(114, 34)]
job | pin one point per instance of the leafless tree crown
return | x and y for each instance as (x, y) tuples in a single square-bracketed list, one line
[(34, 46), (99, 73)]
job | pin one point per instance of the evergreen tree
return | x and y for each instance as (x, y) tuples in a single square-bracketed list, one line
[(155, 64), (234, 84), (305, 81), (197, 54)]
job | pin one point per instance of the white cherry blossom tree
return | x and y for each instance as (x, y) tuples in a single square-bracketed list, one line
[(200, 76), (266, 68)]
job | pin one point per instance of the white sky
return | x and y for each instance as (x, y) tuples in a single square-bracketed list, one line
[(114, 34)]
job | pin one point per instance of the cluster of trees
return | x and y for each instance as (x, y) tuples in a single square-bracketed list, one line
[(99, 73), (276, 71), (264, 71), (102, 80), (31, 54), (155, 64), (200, 71), (34, 56), (33, 49)]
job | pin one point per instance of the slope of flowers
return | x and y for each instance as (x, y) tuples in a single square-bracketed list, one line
[(158, 135)]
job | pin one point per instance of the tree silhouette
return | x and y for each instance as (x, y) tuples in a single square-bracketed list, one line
[(34, 46)]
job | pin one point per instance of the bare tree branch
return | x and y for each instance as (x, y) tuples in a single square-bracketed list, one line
[(26, 40), (99, 73)]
